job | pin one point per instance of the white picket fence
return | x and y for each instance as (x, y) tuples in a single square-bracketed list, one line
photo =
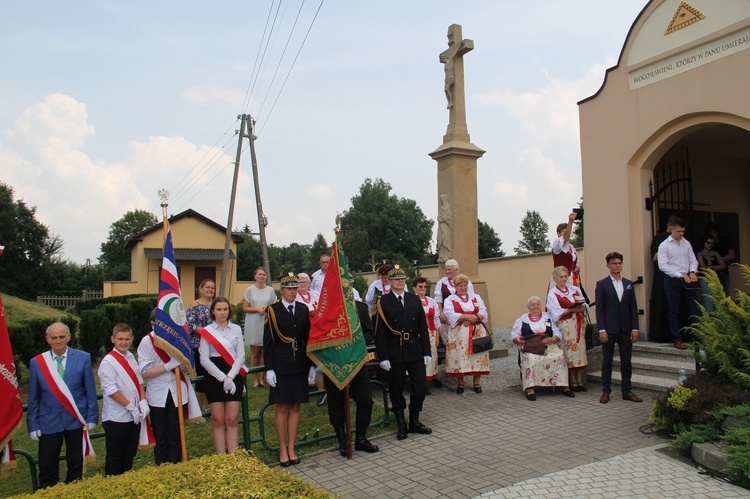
[(68, 301)]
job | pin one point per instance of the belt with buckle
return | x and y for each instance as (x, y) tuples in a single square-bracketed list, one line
[(405, 336)]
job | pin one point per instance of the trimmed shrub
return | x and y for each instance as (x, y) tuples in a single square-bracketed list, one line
[(232, 475), (95, 329), (98, 302), (139, 312), (29, 337)]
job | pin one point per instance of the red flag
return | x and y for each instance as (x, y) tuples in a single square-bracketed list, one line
[(11, 407)]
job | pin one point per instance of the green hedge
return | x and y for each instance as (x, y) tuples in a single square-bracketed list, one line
[(98, 302), (29, 337), (234, 475)]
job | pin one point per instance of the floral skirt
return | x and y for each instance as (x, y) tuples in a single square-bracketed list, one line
[(432, 366), (549, 369), (574, 341), (458, 361)]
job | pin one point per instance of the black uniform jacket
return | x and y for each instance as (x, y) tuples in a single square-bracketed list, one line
[(401, 334)]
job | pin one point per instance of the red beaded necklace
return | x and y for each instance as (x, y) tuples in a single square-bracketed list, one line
[(465, 300), (532, 319), (306, 300)]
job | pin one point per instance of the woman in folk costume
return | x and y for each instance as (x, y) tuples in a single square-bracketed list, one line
[(465, 312), (305, 295), (222, 354), (445, 287), (289, 370), (567, 307), (378, 288), (432, 314), (541, 359)]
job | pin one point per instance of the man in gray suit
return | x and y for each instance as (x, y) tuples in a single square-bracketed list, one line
[(617, 320)]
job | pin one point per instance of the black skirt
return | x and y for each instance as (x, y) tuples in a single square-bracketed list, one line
[(290, 389), (214, 389)]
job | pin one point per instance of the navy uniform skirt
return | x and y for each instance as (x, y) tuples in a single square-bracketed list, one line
[(290, 389)]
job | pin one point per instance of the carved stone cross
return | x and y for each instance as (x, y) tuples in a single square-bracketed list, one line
[(454, 84)]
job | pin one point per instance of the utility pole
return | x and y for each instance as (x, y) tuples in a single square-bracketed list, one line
[(245, 131)]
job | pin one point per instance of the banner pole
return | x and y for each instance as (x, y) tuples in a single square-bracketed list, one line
[(180, 413)]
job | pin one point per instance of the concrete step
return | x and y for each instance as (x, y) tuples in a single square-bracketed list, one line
[(657, 367), (653, 383), (665, 351)]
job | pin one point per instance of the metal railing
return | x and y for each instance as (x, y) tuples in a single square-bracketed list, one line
[(245, 421)]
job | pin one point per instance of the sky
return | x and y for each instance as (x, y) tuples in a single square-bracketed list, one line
[(104, 103)]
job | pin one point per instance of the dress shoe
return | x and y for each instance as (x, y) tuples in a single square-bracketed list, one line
[(569, 393), (402, 431), (575, 388), (361, 443), (428, 392), (632, 397), (285, 464), (582, 388), (294, 461), (341, 437), (530, 396), (460, 390), (604, 398), (437, 383), (477, 389), (679, 345), (416, 427)]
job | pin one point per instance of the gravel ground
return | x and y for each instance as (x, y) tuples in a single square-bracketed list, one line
[(504, 371)]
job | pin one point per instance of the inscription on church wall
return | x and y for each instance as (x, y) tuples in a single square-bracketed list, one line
[(690, 59)]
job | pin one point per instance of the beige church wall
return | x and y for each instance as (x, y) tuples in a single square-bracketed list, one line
[(625, 133), (510, 281)]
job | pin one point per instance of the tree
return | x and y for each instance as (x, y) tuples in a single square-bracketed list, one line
[(30, 250), (381, 226), (115, 259), (533, 234), (319, 247), (489, 241), (250, 257)]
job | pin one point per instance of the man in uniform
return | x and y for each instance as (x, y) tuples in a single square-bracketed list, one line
[(403, 344), (360, 391)]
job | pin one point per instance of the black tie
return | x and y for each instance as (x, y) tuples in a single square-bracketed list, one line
[(291, 309), (401, 301)]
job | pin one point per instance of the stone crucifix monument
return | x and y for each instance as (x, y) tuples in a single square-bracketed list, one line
[(457, 171)]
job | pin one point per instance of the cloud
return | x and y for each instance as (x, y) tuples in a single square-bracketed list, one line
[(319, 192), (211, 94), (58, 122), (516, 194)]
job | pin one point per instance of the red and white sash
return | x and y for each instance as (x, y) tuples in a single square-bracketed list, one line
[(131, 386), (8, 462), (193, 412), (221, 345), (62, 393)]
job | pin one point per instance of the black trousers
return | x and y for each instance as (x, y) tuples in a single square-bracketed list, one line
[(397, 379), (121, 443), (359, 390), (166, 427), (626, 369), (50, 445)]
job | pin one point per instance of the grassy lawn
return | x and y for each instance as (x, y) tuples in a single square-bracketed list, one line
[(199, 439), (17, 309)]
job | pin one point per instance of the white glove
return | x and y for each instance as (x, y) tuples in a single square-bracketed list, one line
[(311, 376), (427, 359), (35, 435), (144, 408), (172, 365), (91, 426), (229, 386), (385, 365), (271, 378), (134, 411)]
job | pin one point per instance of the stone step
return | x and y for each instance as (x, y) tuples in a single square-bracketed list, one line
[(653, 383), (658, 368), (665, 351)]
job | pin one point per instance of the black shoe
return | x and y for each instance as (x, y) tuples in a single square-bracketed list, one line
[(322, 399), (530, 396), (428, 392), (416, 427), (460, 390), (569, 393), (294, 461), (478, 389), (285, 464), (402, 431), (437, 383), (341, 437), (361, 443), (582, 388), (575, 388)]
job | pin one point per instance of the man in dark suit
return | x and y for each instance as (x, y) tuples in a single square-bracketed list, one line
[(617, 320), (403, 344), (48, 421), (360, 390)]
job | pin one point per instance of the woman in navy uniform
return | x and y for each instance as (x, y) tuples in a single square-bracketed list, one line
[(284, 350)]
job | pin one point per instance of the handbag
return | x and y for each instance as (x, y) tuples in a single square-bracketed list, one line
[(534, 344), (589, 333), (482, 343)]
